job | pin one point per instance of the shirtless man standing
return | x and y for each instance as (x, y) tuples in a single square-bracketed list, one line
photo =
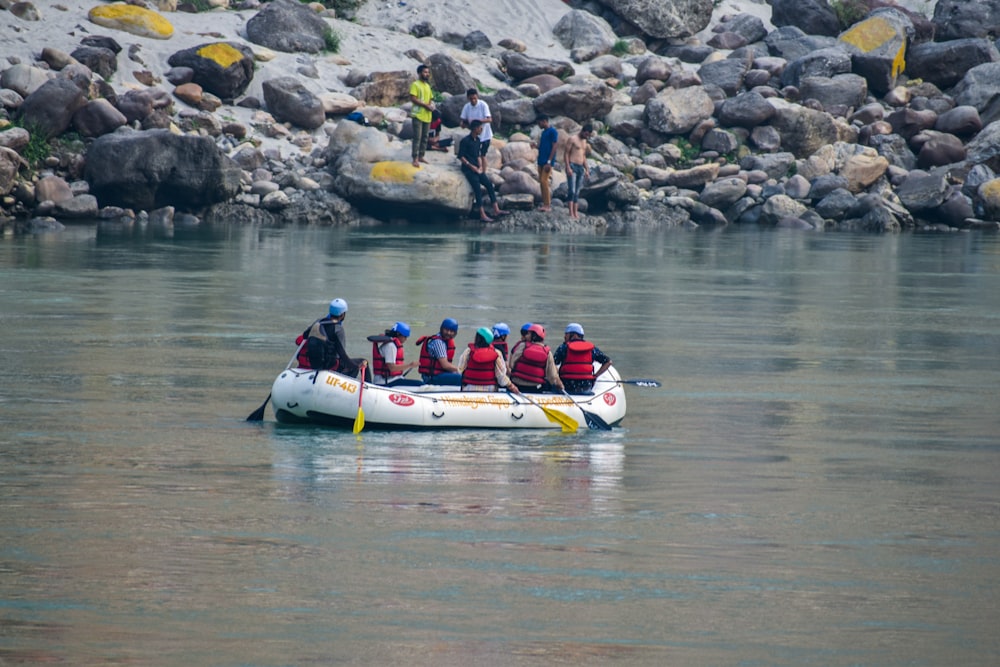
[(575, 159)]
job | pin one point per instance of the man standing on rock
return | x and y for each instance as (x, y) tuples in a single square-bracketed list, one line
[(577, 171), (476, 109), (546, 159), (423, 107)]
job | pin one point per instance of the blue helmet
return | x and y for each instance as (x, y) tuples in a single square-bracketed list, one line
[(338, 307), (525, 327), (574, 328), (449, 323), (500, 329), (402, 328)]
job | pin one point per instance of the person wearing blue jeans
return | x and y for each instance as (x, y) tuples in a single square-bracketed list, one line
[(577, 171)]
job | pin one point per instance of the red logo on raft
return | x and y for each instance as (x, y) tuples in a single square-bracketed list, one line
[(401, 399), (610, 399)]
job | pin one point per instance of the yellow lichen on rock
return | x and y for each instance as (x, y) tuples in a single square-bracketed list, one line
[(870, 34), (221, 53), (132, 19), (393, 171)]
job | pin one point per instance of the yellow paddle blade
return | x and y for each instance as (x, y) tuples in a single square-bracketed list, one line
[(359, 421), (569, 425)]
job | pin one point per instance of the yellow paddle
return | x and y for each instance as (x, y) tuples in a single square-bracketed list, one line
[(359, 421), (568, 424)]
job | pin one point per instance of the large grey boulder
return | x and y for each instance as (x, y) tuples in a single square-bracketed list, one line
[(370, 171), (748, 110), (585, 35), (290, 101), (49, 110), (10, 163), (147, 170), (727, 74), (678, 18), (803, 131), (813, 17), (448, 75), (385, 89), (823, 63), (579, 101), (288, 26), (98, 117), (985, 147), (24, 79), (520, 66), (844, 90), (790, 42), (980, 88), (100, 60), (679, 110), (878, 46), (956, 19), (945, 63)]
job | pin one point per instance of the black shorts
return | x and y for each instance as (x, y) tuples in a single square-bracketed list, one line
[(484, 147)]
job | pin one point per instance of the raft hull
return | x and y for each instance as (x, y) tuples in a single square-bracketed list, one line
[(331, 399)]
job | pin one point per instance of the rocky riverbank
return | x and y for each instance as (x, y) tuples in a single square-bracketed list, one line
[(856, 115)]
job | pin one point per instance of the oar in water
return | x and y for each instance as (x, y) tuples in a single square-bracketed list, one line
[(594, 422), (359, 421), (258, 414), (568, 424)]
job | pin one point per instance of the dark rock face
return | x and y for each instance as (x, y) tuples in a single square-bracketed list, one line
[(148, 170), (50, 108), (945, 63), (520, 66), (814, 17), (955, 19), (289, 26), (221, 68), (101, 61), (678, 18), (288, 100)]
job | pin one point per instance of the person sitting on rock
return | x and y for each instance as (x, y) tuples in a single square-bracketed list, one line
[(473, 168)]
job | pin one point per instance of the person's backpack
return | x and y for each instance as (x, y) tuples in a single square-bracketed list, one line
[(358, 118)]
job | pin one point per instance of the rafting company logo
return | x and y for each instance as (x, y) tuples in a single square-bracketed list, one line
[(401, 399), (610, 399)]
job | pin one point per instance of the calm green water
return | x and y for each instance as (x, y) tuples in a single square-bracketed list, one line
[(816, 483)]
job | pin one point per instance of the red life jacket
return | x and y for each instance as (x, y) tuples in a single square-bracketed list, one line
[(481, 369), (302, 358), (378, 361), (579, 361), (501, 347), (429, 364), (530, 366)]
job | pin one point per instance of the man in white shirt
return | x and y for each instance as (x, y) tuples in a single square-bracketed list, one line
[(476, 109)]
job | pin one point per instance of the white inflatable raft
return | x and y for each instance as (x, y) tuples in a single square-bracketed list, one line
[(329, 398)]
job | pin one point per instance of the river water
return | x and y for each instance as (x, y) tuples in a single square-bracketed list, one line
[(815, 483)]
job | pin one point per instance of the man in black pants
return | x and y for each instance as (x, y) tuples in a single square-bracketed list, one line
[(468, 155)]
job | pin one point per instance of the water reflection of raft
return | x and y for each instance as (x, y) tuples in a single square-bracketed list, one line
[(329, 398)]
